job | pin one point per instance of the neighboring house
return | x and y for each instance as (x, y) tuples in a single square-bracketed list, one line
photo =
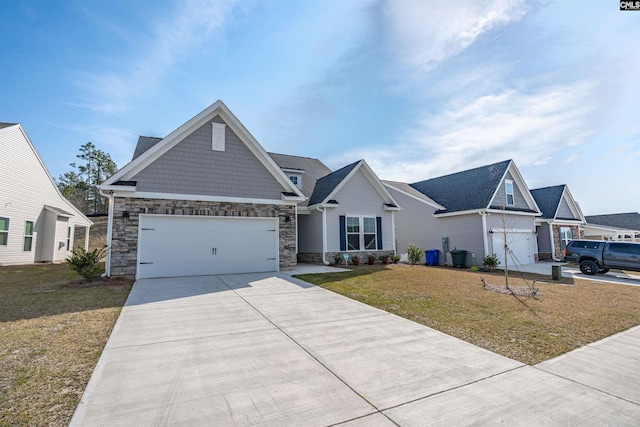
[(622, 226), (561, 221), (206, 199), (474, 210), (37, 224), (346, 211)]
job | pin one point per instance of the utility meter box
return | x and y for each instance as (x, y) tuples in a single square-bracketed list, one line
[(445, 244)]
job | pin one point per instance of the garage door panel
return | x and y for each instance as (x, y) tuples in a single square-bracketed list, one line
[(182, 246), (519, 243)]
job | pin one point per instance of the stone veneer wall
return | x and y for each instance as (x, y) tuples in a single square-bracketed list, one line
[(124, 242), (316, 258), (575, 230)]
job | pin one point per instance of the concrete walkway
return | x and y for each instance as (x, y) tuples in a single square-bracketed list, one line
[(268, 349)]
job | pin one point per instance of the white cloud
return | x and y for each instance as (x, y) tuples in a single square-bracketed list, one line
[(572, 158), (527, 127), (425, 33), (142, 70)]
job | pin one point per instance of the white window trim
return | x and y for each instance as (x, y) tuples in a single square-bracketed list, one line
[(298, 181), (33, 226), (218, 129), (361, 233), (562, 236), (507, 194), (7, 230), (68, 238)]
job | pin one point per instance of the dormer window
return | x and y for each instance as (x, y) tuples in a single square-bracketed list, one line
[(508, 187), (294, 179), (295, 175)]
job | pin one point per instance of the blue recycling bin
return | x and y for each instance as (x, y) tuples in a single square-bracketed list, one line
[(431, 256)]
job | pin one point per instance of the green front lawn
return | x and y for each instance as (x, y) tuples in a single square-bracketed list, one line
[(566, 316), (53, 328)]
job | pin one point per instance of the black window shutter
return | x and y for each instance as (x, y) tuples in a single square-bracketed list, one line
[(379, 231), (343, 233)]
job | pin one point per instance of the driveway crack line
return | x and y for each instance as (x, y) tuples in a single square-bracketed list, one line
[(315, 358)]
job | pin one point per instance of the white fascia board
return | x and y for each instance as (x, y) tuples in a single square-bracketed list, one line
[(472, 211), (610, 229), (510, 230), (292, 170), (117, 188), (389, 208), (508, 212), (515, 173), (199, 197), (433, 205), (295, 199), (217, 108)]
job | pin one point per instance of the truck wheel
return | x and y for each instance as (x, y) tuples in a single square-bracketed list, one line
[(589, 267), (604, 271)]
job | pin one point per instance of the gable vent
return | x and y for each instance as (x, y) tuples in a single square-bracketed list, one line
[(217, 138)]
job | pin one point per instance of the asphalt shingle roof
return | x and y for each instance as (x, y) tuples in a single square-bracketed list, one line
[(6, 125), (326, 184), (548, 199), (403, 186), (313, 169), (467, 190), (629, 221), (144, 143)]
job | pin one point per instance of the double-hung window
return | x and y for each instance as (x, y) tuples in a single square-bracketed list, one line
[(369, 233), (28, 235), (361, 233), (4, 231), (508, 187), (353, 233), (68, 238)]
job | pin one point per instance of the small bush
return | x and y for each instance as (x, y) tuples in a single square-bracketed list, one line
[(337, 259), (396, 259), (86, 263), (355, 260), (490, 261), (414, 253)]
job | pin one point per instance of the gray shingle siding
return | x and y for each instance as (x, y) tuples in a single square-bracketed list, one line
[(192, 167), (500, 200), (564, 212)]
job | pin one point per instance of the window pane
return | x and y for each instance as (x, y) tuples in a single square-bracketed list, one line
[(370, 241), (27, 243), (3, 238), (4, 224), (353, 242), (369, 225), (28, 228), (508, 187), (353, 225), (619, 247)]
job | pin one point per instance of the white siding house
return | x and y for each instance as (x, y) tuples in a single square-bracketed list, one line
[(37, 224)]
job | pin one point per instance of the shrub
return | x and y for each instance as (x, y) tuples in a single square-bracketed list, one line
[(414, 253), (355, 260), (395, 259), (337, 259), (86, 263), (371, 258), (490, 261)]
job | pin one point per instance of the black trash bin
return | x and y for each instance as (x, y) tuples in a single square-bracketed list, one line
[(458, 258)]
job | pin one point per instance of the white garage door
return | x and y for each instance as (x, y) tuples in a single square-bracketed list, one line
[(519, 243), (170, 245)]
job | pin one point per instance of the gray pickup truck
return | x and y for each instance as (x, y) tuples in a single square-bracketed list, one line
[(596, 256)]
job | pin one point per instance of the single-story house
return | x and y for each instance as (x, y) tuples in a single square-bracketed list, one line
[(208, 199), (477, 210), (345, 211), (37, 223), (561, 221), (620, 226)]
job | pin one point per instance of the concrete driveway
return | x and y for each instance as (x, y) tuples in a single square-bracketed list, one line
[(268, 349), (568, 270)]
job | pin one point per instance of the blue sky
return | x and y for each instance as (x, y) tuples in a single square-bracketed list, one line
[(416, 88)]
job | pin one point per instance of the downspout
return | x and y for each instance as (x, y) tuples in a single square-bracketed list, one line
[(324, 235), (393, 231), (553, 242), (485, 234), (296, 219), (111, 198)]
